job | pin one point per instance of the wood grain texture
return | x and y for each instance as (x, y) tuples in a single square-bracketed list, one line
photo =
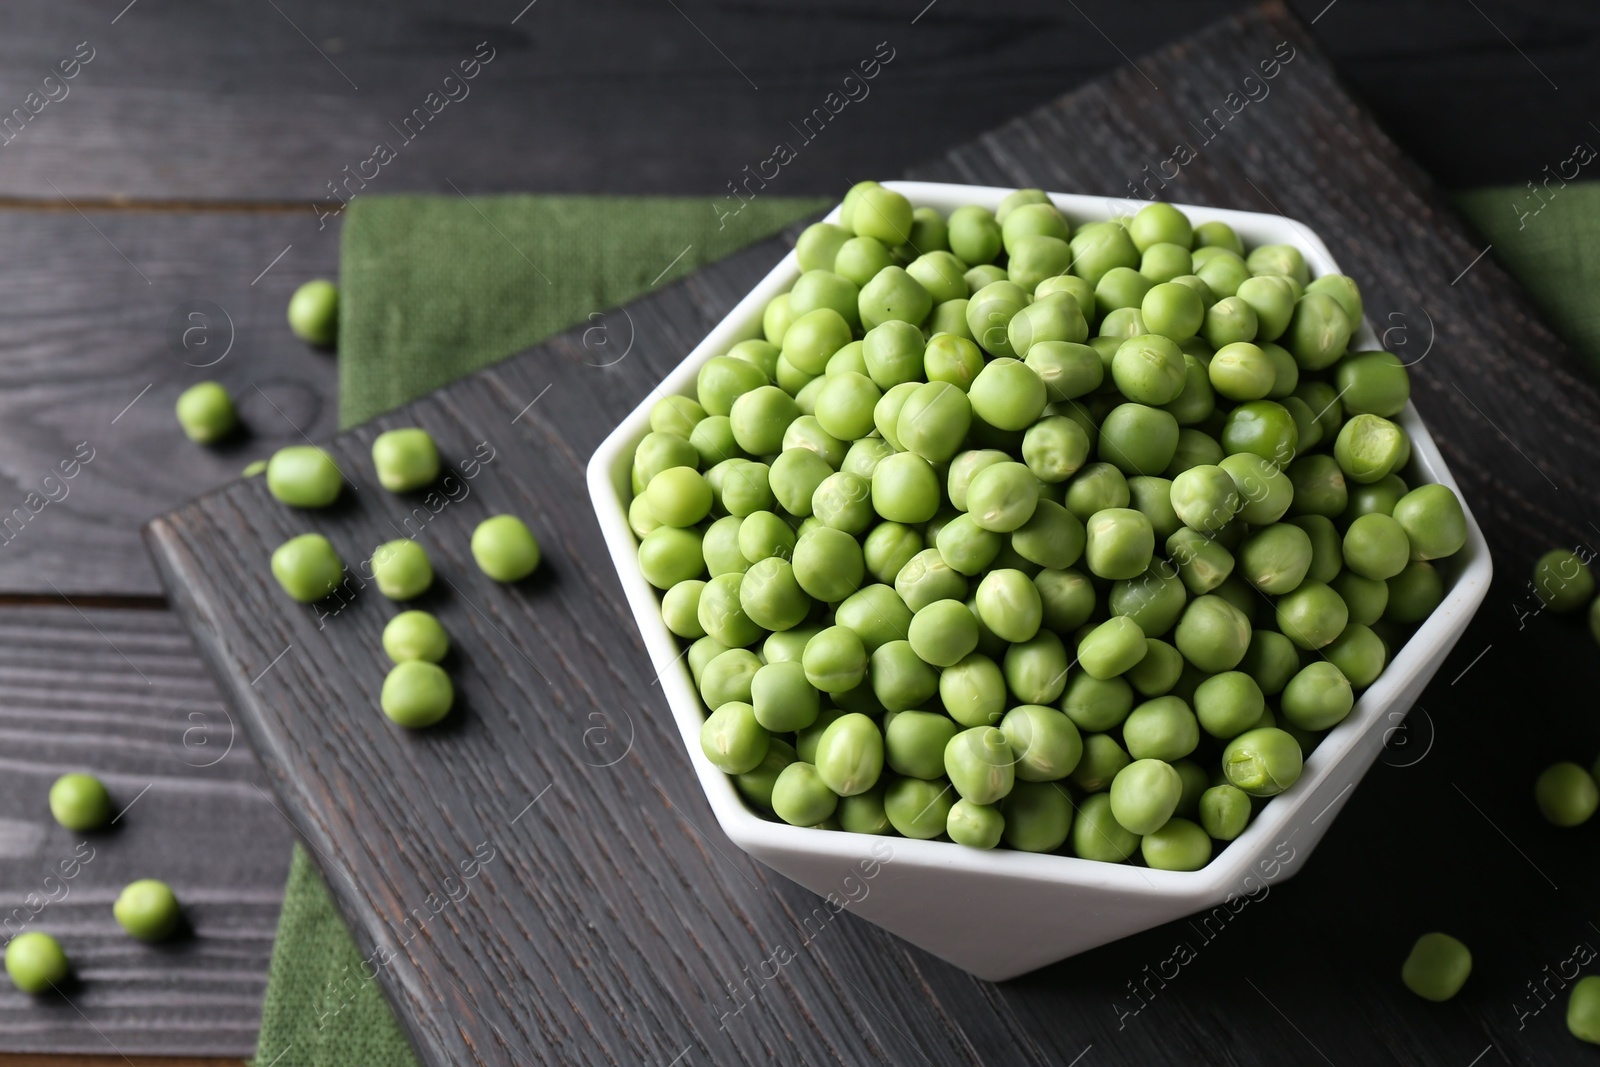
[(121, 694), (99, 342), (236, 100), (614, 923)]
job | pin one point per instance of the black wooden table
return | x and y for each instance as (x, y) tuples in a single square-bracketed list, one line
[(160, 204)]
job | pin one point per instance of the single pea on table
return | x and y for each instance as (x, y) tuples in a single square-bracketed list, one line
[(1025, 531)]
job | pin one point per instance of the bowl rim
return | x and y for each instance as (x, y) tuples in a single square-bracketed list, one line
[(1276, 821)]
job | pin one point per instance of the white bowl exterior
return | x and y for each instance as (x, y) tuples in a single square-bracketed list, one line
[(999, 913)]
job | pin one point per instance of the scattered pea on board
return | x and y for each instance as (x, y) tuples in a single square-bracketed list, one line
[(314, 312), (80, 802), (206, 413), (148, 909), (1024, 512), (35, 962), (1437, 967)]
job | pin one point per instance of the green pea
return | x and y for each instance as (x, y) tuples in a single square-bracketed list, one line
[(1224, 811), (763, 354), (505, 549), (835, 660), (849, 756), (407, 459), (914, 743), (974, 234), (35, 962), (1319, 331), (1068, 370), (979, 764), (1364, 598), (1368, 448), (928, 578), (1055, 320), (1437, 967), (757, 785), (417, 635), (974, 825), (1228, 704), (1205, 498), (1165, 262), (401, 569), (1095, 488), (1433, 521), (1038, 816), (1119, 543), (303, 476), (939, 271), (973, 691), (822, 288), (1414, 593), (1149, 369), (1154, 600), (864, 813), (1272, 298), (1173, 310), (1222, 273), (933, 422), (1035, 257), (1262, 762), (1566, 794), (943, 632), (206, 413), (1096, 704), (952, 359), (800, 797), (1373, 383), (1203, 564), (1227, 322), (882, 214), (1213, 634), (1319, 486), (1312, 615), (314, 312), (1097, 835), (1009, 604), (307, 567), (892, 295), (416, 694), (1270, 661), (1275, 559), (1052, 537), (1318, 697), (1138, 439), (818, 244), (1562, 581), (1179, 845), (1583, 1010), (1007, 394), (148, 910), (1158, 672), (918, 809), (1066, 598), (1112, 647), (1002, 497), (1162, 729), (1266, 490), (905, 488), (1263, 428), (80, 802)]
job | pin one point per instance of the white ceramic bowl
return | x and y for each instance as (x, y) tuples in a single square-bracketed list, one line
[(1001, 913)]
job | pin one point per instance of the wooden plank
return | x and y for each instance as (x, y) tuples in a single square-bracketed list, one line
[(120, 693), (615, 924), (100, 339), (277, 99)]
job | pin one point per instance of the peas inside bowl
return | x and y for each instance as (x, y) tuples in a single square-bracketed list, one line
[(1038, 546)]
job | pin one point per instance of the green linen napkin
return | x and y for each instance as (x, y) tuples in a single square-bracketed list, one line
[(432, 288), (435, 287)]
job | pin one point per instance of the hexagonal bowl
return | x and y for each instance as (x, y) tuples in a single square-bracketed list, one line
[(1001, 913)]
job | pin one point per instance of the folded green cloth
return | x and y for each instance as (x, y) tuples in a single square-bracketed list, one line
[(435, 287), (432, 288)]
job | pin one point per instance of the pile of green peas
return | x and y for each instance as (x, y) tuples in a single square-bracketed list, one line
[(1015, 530)]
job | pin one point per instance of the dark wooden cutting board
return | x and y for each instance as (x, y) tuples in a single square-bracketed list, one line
[(613, 923)]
